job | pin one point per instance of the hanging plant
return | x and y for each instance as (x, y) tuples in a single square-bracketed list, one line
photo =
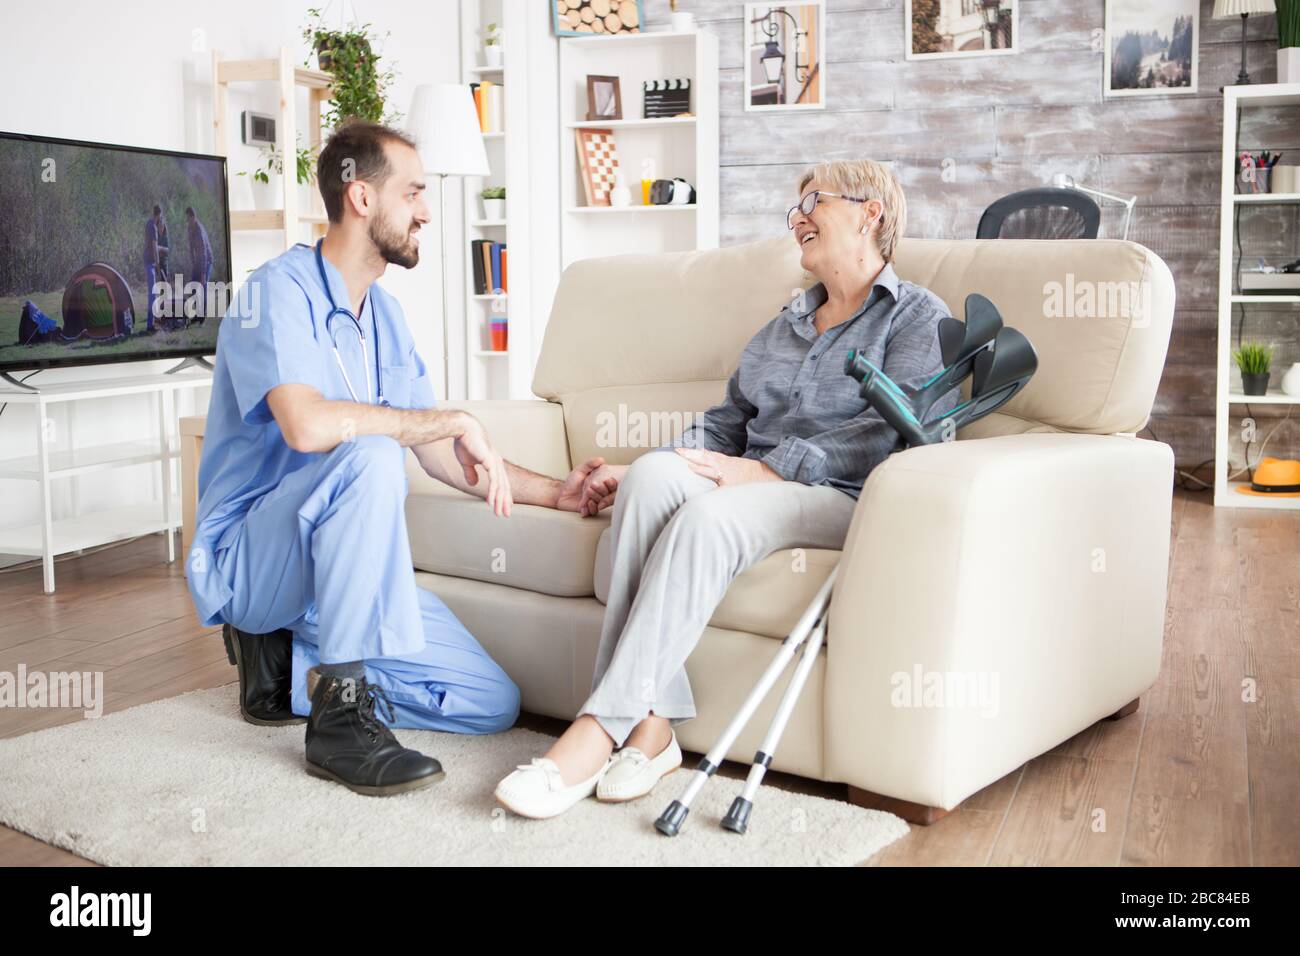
[(361, 83), (1288, 23)]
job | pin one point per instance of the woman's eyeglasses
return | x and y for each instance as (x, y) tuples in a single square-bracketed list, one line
[(809, 202)]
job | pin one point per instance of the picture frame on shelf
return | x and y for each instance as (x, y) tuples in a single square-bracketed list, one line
[(604, 98), (943, 29), (585, 18), (784, 55), (598, 164), (1151, 48)]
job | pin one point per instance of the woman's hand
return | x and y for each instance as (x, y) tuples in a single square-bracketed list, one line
[(574, 492), (727, 469), (600, 487)]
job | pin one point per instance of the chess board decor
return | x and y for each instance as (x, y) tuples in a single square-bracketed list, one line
[(598, 159)]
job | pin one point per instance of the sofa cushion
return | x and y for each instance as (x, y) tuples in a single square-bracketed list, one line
[(538, 549), (766, 600)]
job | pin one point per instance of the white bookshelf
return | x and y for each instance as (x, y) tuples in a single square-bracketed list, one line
[(1229, 399), (490, 374), (685, 147)]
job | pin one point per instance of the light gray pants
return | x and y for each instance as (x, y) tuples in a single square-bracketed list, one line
[(678, 540)]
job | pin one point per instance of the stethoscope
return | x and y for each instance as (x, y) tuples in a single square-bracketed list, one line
[(335, 311)]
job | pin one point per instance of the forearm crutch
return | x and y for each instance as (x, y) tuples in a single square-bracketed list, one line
[(811, 628)]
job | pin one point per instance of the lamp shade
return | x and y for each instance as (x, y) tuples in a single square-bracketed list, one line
[(445, 125), (1223, 9)]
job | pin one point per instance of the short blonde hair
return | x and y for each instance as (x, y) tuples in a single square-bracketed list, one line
[(867, 179)]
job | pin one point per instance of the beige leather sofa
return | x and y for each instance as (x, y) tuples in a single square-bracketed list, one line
[(1023, 565)]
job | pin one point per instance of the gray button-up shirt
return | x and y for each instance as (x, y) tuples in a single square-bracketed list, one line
[(790, 404)]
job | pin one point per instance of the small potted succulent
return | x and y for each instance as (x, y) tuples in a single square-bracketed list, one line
[(1254, 360), (494, 202), (492, 52)]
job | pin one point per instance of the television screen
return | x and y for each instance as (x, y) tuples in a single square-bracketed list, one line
[(109, 253)]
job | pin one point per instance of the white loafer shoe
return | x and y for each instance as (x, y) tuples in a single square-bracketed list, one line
[(631, 774), (537, 790)]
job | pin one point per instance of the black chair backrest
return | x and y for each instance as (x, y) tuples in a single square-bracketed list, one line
[(1041, 214)]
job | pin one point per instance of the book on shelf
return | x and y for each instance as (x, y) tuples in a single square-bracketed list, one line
[(488, 260), (489, 101)]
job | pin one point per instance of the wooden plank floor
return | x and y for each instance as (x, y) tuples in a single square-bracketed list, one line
[(1205, 773)]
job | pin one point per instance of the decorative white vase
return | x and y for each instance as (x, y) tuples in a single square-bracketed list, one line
[(683, 22), (494, 209), (1291, 381), (1288, 64), (493, 55)]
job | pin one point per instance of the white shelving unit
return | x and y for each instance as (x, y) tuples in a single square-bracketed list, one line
[(685, 147), (1228, 394), (48, 537), (282, 71), (492, 374)]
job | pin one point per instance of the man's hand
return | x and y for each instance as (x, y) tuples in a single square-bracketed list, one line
[(727, 469), (472, 448)]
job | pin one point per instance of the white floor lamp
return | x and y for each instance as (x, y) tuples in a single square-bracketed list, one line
[(445, 125)]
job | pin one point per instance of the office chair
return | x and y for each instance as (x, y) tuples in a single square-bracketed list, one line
[(1045, 213)]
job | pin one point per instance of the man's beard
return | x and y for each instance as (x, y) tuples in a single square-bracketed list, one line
[(395, 247)]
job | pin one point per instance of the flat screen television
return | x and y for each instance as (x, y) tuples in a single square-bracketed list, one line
[(109, 253)]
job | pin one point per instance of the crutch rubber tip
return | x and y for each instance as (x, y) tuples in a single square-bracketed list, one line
[(671, 820), (737, 818)]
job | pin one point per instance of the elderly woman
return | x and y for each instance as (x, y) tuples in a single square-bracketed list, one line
[(779, 464)]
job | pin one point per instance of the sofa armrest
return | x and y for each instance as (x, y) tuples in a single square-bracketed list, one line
[(1027, 572), (528, 432)]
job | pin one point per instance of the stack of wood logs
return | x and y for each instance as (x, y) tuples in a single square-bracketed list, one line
[(599, 16)]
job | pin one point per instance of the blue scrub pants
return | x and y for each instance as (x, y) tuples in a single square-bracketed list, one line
[(325, 554)]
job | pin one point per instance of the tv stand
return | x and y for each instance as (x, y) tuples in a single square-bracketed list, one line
[(17, 384), (57, 458), (194, 361)]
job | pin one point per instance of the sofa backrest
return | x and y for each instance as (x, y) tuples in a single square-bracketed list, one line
[(637, 342)]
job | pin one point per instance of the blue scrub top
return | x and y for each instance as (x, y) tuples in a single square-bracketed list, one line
[(273, 334)]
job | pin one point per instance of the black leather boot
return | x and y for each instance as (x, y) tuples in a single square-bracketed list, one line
[(347, 742), (265, 664)]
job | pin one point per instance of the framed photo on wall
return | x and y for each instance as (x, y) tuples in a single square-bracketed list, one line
[(1152, 47), (937, 29), (580, 18), (784, 55)]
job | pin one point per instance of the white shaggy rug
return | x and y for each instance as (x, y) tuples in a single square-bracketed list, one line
[(185, 781)]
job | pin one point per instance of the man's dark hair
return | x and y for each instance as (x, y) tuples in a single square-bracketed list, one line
[(157, 210), (355, 151), (189, 211)]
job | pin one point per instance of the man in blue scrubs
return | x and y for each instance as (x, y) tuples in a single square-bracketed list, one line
[(300, 546)]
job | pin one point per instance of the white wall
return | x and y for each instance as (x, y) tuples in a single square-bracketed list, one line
[(142, 78)]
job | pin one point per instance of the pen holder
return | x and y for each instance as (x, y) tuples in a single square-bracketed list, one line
[(1253, 179)]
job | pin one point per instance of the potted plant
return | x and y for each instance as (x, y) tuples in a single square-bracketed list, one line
[(492, 52), (1254, 361), (266, 188), (360, 83), (682, 22), (1288, 41), (494, 202)]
